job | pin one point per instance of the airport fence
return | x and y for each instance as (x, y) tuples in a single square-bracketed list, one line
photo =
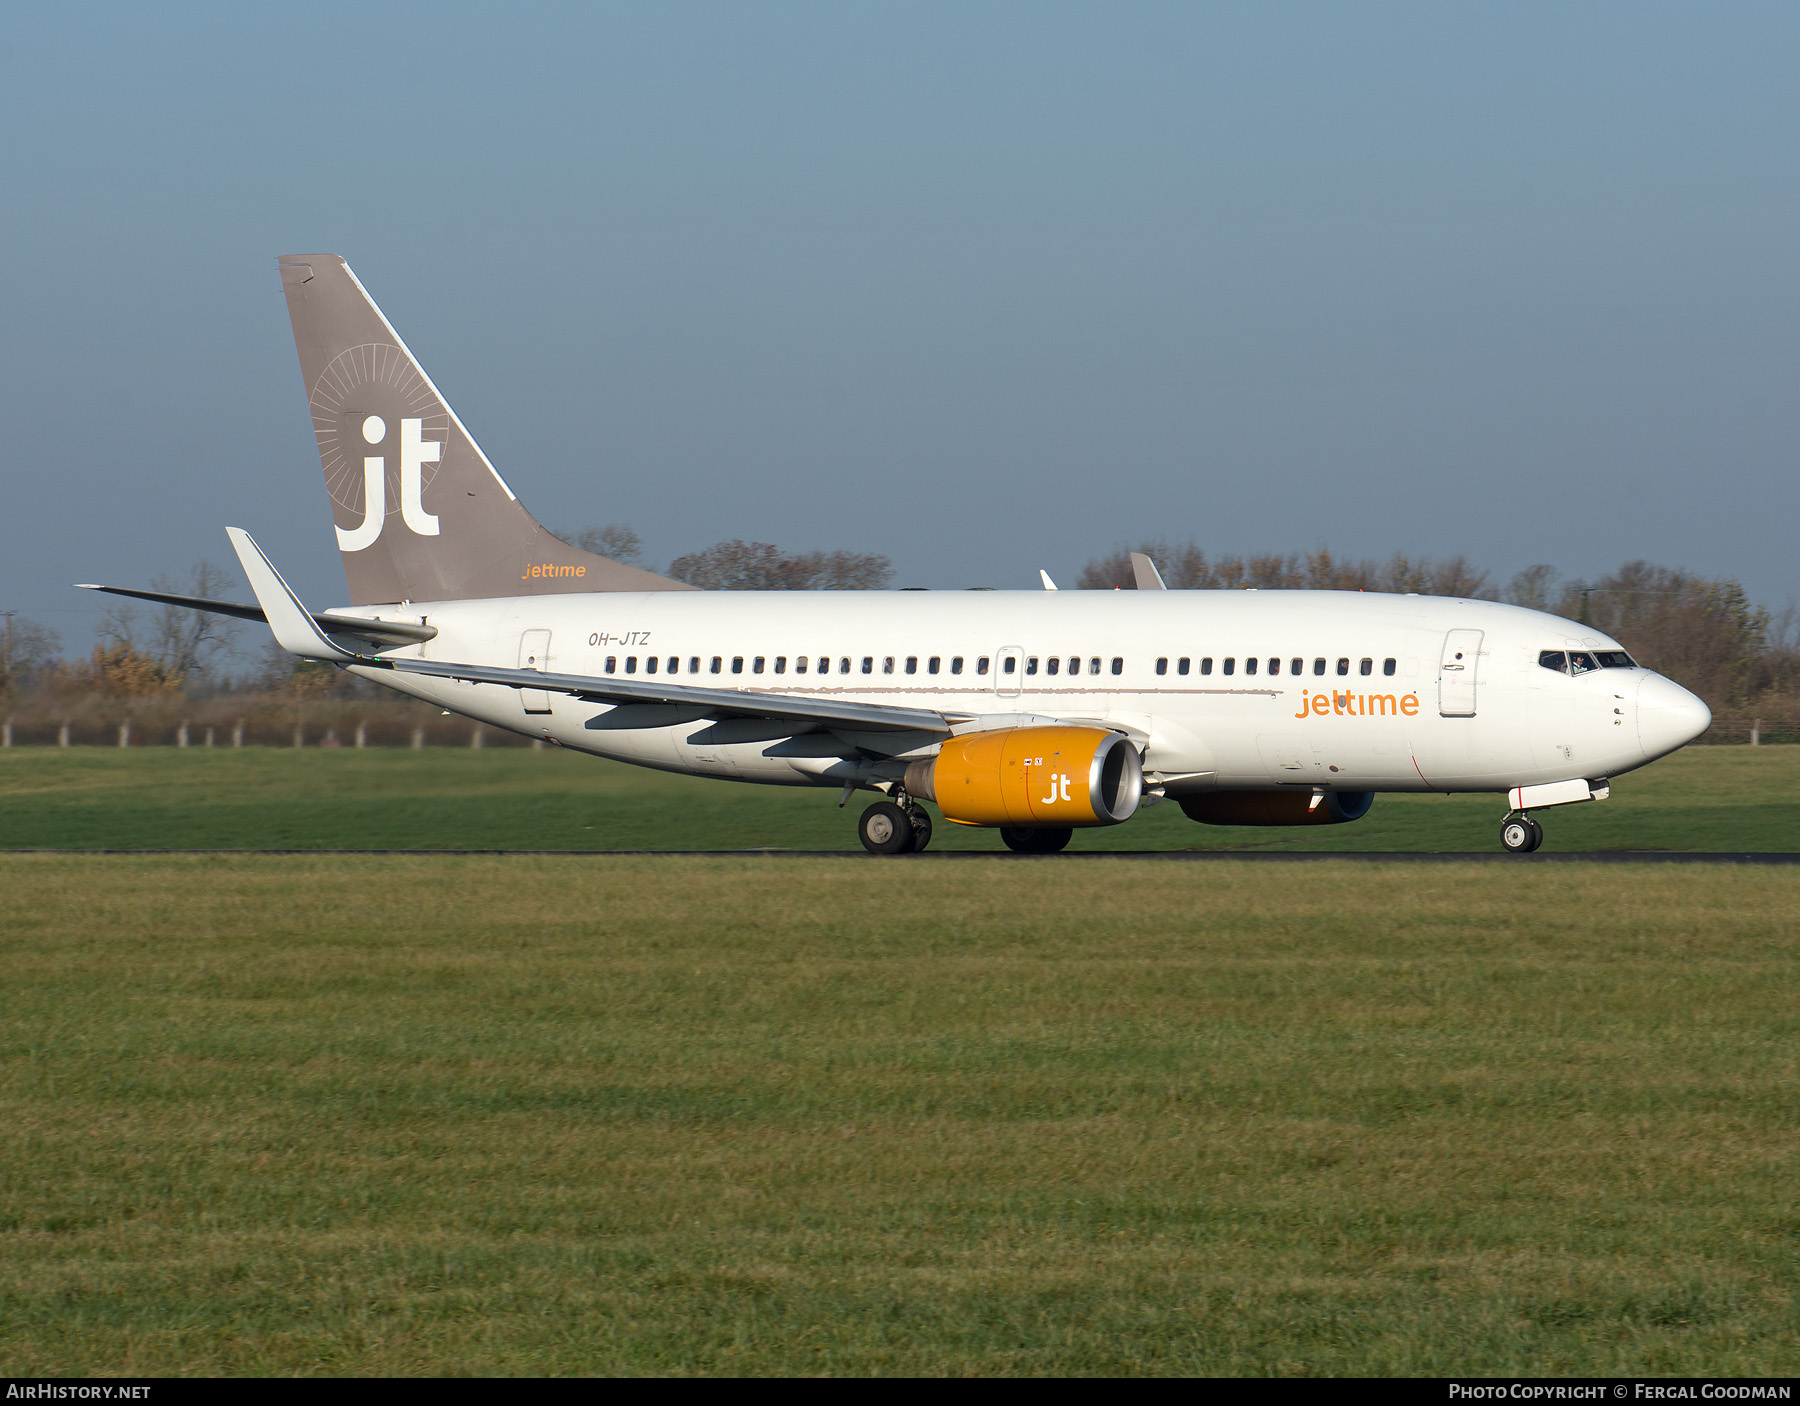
[(237, 720)]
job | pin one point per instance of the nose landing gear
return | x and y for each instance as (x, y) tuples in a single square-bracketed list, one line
[(1520, 833)]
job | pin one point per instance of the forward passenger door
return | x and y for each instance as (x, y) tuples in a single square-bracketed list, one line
[(1457, 673)]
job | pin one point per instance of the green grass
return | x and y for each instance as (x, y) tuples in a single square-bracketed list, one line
[(1712, 798), (554, 1115)]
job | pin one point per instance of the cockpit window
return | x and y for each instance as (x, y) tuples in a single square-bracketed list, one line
[(1614, 659), (1554, 659), (1581, 662)]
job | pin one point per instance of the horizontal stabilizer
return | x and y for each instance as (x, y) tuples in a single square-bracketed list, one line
[(382, 633)]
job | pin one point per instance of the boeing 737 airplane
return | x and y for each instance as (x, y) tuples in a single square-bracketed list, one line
[(1034, 712)]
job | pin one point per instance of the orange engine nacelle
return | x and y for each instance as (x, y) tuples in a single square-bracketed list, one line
[(1033, 777)]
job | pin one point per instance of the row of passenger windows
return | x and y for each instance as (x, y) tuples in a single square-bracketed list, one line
[(1009, 664), (934, 664), (1295, 666)]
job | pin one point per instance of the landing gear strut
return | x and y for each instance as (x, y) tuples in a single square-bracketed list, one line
[(890, 828), (1520, 833)]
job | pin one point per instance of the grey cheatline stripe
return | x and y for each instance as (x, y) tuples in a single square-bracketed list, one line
[(1608, 856)]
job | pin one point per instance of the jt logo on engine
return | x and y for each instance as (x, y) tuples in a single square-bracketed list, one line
[(1059, 788), (415, 452)]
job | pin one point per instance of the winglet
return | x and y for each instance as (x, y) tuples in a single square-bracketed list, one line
[(1144, 571), (1049, 585), (295, 630)]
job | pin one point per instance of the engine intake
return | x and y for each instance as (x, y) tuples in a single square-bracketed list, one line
[(1277, 807), (1033, 776)]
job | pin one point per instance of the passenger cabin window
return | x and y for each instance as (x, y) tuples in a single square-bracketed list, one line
[(1031, 665), (737, 664), (956, 663), (1230, 667), (1181, 666), (650, 665), (868, 666), (1366, 668), (1162, 666), (1118, 665), (1206, 666), (1053, 666), (1387, 667), (1249, 666), (781, 663), (694, 664), (717, 662), (1094, 665), (1318, 666), (674, 663), (1274, 666), (631, 663), (981, 665), (1296, 666), (931, 665), (756, 665), (1009, 665), (1343, 666), (843, 666), (887, 664), (912, 663), (612, 663), (800, 664)]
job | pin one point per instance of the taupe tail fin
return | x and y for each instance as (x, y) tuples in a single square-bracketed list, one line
[(420, 512)]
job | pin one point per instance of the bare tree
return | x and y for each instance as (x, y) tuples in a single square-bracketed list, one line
[(28, 647), (1534, 588), (188, 642), (615, 540), (179, 643), (762, 566)]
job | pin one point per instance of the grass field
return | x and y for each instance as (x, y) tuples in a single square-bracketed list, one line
[(669, 1114), (1705, 798)]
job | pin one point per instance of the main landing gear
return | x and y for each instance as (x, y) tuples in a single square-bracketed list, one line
[(1520, 833), (889, 828)]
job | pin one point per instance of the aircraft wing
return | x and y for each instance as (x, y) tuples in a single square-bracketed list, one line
[(713, 702)]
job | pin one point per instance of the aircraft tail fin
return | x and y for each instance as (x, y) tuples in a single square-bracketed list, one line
[(420, 512)]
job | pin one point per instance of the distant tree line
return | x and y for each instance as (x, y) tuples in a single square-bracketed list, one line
[(749, 566), (160, 670)]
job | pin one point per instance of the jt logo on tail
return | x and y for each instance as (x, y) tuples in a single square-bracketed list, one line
[(415, 452)]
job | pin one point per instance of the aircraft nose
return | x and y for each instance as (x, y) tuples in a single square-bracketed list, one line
[(1668, 716)]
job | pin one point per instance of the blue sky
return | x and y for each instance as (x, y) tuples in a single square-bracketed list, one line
[(983, 287)]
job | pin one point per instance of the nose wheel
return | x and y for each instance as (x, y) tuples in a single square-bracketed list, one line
[(1521, 834)]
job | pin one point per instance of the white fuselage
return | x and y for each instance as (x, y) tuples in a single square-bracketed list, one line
[(1348, 691)]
